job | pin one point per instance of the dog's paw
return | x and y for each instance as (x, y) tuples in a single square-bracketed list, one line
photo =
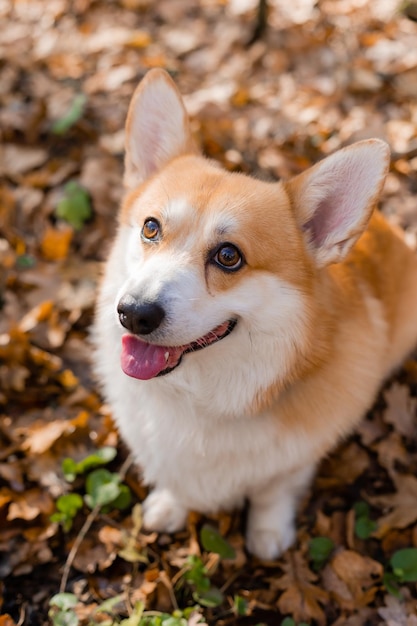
[(269, 543), (162, 512)]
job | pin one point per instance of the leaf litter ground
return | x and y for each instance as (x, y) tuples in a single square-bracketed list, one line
[(323, 74)]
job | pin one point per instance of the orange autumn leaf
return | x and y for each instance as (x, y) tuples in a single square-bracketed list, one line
[(56, 242), (38, 314), (67, 379), (6, 620), (139, 39)]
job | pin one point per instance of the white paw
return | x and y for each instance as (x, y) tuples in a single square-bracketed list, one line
[(269, 543), (161, 512)]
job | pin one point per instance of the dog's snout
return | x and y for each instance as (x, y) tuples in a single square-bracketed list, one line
[(140, 319)]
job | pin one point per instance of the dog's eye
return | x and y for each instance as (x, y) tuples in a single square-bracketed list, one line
[(151, 230), (228, 257)]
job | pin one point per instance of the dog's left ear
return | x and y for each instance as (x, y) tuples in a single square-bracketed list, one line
[(334, 199), (157, 128)]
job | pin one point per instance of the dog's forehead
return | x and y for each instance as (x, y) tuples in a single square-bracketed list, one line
[(190, 195), (182, 210)]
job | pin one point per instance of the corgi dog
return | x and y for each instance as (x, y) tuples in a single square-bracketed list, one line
[(244, 327)]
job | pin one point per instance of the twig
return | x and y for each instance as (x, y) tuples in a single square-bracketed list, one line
[(261, 22), (230, 580), (164, 578), (22, 615), (78, 541), (125, 467)]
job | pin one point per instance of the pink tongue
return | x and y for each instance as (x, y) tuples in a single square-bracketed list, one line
[(144, 360)]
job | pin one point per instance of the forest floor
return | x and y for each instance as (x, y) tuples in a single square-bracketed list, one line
[(323, 74)]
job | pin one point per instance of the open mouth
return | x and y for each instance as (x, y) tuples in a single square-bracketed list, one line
[(145, 360)]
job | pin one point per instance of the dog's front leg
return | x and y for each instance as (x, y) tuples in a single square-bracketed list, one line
[(163, 512), (271, 526)]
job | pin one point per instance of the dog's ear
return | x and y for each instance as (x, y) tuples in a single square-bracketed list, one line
[(334, 199), (157, 128)]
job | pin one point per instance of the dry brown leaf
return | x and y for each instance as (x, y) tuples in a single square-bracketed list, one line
[(403, 504), (6, 495), (396, 612), (302, 597), (401, 410), (111, 537), (13, 377), (360, 575), (30, 504), (391, 450), (15, 160), (93, 555), (12, 472), (337, 587), (344, 467), (41, 437)]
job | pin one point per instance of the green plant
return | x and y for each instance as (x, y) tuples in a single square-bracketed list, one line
[(72, 468), (240, 605), (74, 113), (319, 550), (61, 609), (61, 613), (74, 207), (288, 621), (212, 541), (104, 490), (155, 618), (364, 525), (67, 506), (196, 575), (403, 564)]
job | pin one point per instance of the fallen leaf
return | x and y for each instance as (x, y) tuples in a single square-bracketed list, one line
[(344, 467), (401, 410), (6, 620), (15, 159), (361, 574), (41, 437), (92, 555), (397, 613), (55, 242), (30, 504), (403, 505), (302, 597), (38, 314), (391, 451)]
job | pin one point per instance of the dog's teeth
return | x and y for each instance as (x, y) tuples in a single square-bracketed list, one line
[(166, 355)]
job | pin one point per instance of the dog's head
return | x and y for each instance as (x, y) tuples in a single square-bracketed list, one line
[(218, 263)]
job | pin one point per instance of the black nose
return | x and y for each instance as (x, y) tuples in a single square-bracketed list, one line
[(140, 319)]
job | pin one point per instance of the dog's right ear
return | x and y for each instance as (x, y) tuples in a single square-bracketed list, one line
[(334, 199), (157, 128)]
